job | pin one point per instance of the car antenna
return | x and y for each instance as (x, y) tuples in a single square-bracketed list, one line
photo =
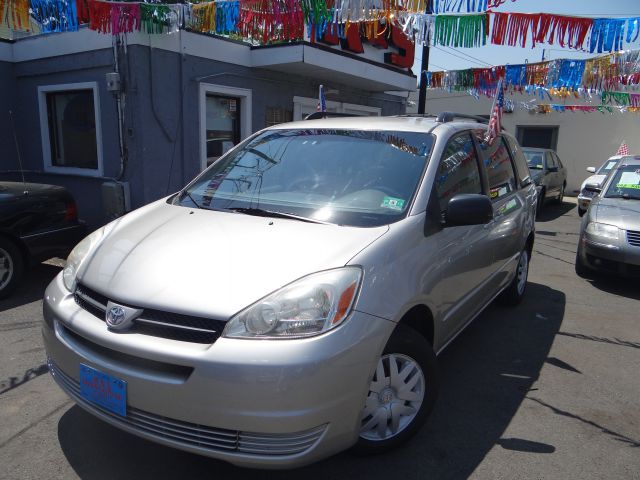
[(15, 137)]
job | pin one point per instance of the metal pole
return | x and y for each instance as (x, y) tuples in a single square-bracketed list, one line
[(424, 66)]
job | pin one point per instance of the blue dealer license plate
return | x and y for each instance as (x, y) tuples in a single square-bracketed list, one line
[(103, 390)]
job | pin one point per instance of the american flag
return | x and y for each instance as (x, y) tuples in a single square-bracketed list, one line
[(623, 149), (495, 123)]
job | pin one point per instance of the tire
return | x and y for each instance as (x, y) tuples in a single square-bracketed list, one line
[(561, 194), (406, 349), (11, 267), (540, 202), (581, 269), (514, 293), (581, 212)]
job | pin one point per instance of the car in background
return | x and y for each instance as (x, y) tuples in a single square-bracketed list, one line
[(610, 230), (289, 303), (37, 222), (548, 173), (598, 177)]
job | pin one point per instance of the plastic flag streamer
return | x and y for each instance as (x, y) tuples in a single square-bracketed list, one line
[(459, 6), (460, 30), (160, 18), (15, 13), (621, 98), (55, 15), (114, 17), (201, 17)]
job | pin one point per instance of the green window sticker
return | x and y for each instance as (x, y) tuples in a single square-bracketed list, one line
[(393, 203), (628, 185)]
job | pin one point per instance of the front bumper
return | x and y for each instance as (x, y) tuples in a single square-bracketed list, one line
[(254, 403), (620, 260)]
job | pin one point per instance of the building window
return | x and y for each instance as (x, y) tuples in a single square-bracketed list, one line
[(70, 127), (225, 120), (537, 137), (278, 115)]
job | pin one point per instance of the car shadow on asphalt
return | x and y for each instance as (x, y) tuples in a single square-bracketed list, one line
[(623, 287), (486, 374), (552, 210), (32, 287)]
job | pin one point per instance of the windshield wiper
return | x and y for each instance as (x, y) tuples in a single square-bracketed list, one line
[(261, 212), (185, 192)]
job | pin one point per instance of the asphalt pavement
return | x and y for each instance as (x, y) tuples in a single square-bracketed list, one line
[(547, 390)]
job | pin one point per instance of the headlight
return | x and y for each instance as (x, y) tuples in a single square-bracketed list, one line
[(602, 230), (309, 306), (77, 255)]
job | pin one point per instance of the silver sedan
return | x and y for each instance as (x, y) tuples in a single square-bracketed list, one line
[(610, 231)]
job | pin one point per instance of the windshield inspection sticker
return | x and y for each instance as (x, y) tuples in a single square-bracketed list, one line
[(392, 203)]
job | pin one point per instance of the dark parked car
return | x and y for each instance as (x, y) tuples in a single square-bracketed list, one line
[(37, 222), (548, 173)]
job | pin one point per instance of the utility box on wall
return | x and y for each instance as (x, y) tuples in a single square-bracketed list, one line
[(115, 199)]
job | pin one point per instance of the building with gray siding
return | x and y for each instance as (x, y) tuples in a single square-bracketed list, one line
[(181, 101)]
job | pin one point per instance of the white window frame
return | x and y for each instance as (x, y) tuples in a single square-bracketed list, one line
[(44, 128), (245, 113), (332, 106)]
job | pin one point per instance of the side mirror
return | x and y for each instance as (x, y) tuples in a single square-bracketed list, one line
[(552, 169), (468, 209), (591, 169), (593, 187)]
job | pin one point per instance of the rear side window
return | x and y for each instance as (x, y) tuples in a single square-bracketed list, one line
[(520, 161), (458, 170), (551, 163), (558, 162), (502, 179)]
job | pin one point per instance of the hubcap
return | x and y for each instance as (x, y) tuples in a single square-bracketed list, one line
[(523, 271), (394, 399), (6, 268)]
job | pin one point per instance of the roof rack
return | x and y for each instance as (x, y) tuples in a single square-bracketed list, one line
[(445, 117), (317, 115)]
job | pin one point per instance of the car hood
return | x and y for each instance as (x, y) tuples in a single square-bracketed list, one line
[(593, 179), (209, 263), (622, 213)]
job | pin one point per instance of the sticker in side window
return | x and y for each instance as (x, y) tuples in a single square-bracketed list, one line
[(393, 203)]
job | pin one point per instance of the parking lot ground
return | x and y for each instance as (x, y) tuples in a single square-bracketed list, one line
[(547, 390)]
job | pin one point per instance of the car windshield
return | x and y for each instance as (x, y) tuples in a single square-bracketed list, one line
[(346, 177), (535, 159), (625, 183), (606, 167)]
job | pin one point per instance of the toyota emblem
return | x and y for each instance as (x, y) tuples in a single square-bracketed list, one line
[(115, 316)]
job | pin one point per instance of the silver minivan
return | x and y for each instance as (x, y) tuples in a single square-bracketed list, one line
[(290, 302)]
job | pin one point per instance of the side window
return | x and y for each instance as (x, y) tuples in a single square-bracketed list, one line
[(502, 179), (458, 170), (558, 162), (550, 161), (520, 161)]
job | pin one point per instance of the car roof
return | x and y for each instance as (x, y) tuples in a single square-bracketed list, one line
[(422, 124)]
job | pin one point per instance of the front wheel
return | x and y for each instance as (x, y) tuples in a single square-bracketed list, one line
[(402, 392), (11, 267), (514, 293), (561, 194)]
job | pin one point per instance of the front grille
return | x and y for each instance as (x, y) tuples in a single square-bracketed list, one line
[(633, 238), (194, 435), (157, 323)]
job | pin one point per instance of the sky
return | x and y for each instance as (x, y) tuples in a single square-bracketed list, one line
[(445, 58)]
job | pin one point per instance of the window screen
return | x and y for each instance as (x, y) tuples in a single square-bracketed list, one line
[(458, 170)]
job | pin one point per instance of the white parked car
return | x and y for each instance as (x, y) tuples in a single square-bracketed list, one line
[(598, 177)]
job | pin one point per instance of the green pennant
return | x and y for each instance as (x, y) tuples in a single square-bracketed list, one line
[(465, 31)]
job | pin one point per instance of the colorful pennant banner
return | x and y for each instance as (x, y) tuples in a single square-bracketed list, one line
[(553, 78)]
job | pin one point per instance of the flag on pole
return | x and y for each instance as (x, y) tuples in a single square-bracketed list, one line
[(322, 102), (495, 122), (623, 149)]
